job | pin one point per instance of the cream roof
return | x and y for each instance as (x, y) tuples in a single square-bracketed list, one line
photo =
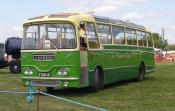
[(76, 18), (71, 17)]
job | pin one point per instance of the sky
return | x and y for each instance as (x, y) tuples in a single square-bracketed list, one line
[(154, 14)]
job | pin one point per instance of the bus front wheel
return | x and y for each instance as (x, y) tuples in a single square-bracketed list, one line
[(141, 72), (95, 80)]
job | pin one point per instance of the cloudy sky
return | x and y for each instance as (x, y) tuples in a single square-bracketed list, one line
[(154, 14)]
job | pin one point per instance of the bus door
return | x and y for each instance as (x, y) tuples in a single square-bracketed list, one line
[(84, 79)]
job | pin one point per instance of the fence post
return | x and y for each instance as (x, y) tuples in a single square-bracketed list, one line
[(38, 100)]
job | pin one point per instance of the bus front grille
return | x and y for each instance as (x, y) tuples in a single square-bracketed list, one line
[(46, 83)]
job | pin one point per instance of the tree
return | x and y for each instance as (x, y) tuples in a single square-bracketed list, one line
[(170, 47), (159, 41)]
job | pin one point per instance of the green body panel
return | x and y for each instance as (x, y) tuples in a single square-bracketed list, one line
[(66, 59), (120, 62)]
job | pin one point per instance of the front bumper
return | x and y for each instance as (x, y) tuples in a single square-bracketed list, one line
[(51, 82)]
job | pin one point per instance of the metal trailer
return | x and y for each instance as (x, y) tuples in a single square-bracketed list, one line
[(12, 49)]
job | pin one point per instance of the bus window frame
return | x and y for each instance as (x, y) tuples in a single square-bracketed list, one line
[(110, 32), (55, 22), (95, 27), (124, 30), (151, 40), (123, 34), (145, 37), (126, 37)]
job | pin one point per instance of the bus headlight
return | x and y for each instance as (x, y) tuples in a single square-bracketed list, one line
[(28, 71), (66, 84), (63, 72), (27, 83)]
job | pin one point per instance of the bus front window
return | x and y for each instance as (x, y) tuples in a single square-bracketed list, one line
[(33, 37), (49, 36), (62, 35)]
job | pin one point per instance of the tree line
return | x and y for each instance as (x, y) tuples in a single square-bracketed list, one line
[(162, 43)]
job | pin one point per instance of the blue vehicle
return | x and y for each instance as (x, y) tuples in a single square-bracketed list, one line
[(12, 48)]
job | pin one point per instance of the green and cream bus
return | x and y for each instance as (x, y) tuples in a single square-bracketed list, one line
[(80, 50)]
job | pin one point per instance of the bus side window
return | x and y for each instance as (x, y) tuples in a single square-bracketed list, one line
[(104, 34), (150, 43), (118, 35), (131, 36), (141, 37), (92, 36)]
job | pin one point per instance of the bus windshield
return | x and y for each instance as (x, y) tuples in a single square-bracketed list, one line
[(49, 36)]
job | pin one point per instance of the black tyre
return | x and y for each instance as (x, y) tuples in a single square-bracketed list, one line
[(15, 67), (101, 79), (96, 81), (141, 73), (50, 89)]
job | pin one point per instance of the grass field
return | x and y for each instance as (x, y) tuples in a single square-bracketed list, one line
[(155, 93)]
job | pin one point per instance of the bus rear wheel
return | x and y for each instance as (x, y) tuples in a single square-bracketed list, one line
[(96, 80), (141, 72)]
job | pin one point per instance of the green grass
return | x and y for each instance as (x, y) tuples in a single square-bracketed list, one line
[(155, 93)]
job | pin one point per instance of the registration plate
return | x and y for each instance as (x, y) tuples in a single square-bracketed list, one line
[(44, 57), (44, 74)]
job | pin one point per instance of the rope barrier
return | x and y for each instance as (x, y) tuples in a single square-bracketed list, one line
[(18, 92), (67, 100), (71, 101), (30, 97)]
